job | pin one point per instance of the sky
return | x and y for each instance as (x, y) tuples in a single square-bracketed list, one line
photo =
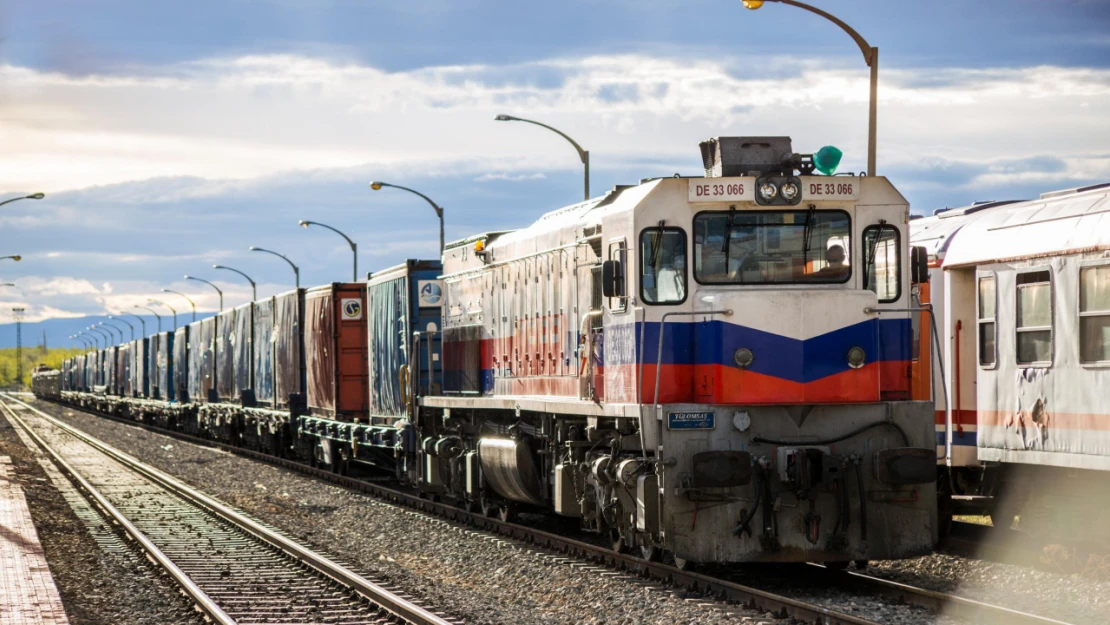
[(172, 136)]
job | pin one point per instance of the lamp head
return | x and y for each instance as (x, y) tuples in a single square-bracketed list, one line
[(304, 224), (254, 249), (752, 4), (504, 118), (188, 277), (17, 258), (217, 266), (377, 186)]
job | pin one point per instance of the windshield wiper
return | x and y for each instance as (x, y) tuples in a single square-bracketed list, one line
[(728, 232), (656, 244), (807, 233)]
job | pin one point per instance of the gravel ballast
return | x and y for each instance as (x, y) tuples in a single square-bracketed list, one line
[(467, 574), (101, 581)]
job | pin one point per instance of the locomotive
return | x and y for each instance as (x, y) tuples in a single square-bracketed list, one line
[(1021, 292), (716, 368)]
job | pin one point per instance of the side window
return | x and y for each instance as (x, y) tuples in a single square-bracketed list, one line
[(1034, 317), (618, 251), (988, 332), (882, 272), (663, 265), (1094, 314)]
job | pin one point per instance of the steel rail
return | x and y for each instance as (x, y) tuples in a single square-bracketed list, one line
[(950, 605), (201, 599), (397, 606)]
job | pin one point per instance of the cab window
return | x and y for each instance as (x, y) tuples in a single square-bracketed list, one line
[(663, 265), (882, 262), (772, 247)]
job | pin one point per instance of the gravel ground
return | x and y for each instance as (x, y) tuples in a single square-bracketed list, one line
[(468, 574), (97, 586), (486, 580)]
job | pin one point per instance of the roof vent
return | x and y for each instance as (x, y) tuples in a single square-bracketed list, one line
[(747, 156)]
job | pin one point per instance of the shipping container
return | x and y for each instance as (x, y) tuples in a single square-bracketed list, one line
[(108, 368), (262, 346), (202, 360), (160, 366), (124, 360), (225, 355), (335, 351), (402, 301), (181, 365), (289, 353), (242, 345), (140, 368)]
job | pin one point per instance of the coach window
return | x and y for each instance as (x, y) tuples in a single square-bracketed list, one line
[(1094, 314), (882, 262), (1034, 318), (987, 328), (663, 265)]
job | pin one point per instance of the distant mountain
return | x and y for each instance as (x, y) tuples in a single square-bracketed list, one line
[(58, 331)]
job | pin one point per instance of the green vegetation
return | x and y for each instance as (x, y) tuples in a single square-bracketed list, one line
[(32, 357)]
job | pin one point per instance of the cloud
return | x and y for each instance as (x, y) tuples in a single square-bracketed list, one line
[(509, 177)]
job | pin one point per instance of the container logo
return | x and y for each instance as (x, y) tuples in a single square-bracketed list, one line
[(431, 293), (352, 309)]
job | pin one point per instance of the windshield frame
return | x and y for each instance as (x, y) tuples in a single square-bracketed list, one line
[(848, 276)]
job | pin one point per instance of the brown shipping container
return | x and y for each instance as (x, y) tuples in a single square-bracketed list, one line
[(335, 351)]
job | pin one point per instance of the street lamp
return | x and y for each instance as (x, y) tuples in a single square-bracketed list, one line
[(81, 335), (84, 342), (254, 287), (102, 333), (354, 248), (377, 186), (121, 329), (141, 320), (156, 315), (161, 303), (870, 57), (15, 257), (296, 269), (33, 196), (582, 154), (187, 298), (111, 329), (129, 325), (209, 284), (8, 284)]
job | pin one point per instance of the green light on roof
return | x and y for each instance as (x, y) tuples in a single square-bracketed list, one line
[(827, 159)]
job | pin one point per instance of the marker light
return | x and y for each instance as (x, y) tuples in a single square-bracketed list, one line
[(856, 357), (827, 159), (789, 191), (768, 191), (743, 357)]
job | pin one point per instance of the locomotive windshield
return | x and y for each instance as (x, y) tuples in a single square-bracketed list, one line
[(772, 247)]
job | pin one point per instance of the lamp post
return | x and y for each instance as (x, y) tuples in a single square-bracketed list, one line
[(161, 303), (81, 335), (102, 333), (111, 329), (296, 269), (584, 155), (354, 248), (209, 284), (187, 299), (129, 325), (84, 342), (377, 186), (254, 287), (33, 196), (121, 329), (96, 343), (156, 315), (870, 57), (8, 284), (141, 320)]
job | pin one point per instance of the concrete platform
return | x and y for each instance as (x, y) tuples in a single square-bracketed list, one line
[(27, 592)]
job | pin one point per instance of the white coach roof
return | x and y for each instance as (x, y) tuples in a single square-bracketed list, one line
[(1059, 222)]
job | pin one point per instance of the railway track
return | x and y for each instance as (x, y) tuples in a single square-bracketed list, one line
[(720, 584), (233, 568)]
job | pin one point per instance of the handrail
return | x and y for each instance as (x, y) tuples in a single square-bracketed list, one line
[(662, 327)]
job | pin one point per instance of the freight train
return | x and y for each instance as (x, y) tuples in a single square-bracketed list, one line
[(715, 368), (1021, 293)]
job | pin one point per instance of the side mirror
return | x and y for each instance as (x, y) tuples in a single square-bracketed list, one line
[(612, 279), (919, 265)]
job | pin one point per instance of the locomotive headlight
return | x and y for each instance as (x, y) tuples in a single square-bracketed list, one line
[(768, 191), (856, 357), (789, 191), (743, 357)]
